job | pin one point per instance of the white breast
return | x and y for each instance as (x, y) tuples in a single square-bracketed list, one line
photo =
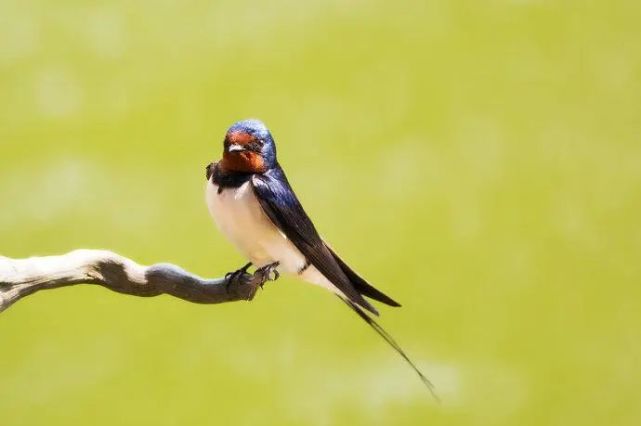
[(239, 216)]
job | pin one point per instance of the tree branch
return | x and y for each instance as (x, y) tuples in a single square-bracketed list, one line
[(22, 277)]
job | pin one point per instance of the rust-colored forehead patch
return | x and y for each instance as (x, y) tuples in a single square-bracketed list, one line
[(240, 137)]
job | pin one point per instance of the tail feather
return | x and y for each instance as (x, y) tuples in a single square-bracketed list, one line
[(390, 340), (363, 287)]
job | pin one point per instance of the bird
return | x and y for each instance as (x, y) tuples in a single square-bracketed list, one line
[(255, 208)]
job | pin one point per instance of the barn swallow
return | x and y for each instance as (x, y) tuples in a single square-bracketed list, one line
[(254, 206)]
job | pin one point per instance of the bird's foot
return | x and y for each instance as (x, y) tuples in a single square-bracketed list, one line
[(240, 276), (267, 273)]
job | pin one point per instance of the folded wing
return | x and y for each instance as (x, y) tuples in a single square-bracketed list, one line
[(281, 205)]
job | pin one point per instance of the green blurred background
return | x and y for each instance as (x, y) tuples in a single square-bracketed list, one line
[(478, 160)]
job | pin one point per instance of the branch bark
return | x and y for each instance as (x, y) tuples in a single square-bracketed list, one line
[(22, 277)]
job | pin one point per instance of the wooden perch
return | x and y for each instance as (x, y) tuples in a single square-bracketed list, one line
[(22, 277)]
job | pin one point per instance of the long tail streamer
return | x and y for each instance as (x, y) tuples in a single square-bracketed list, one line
[(389, 339)]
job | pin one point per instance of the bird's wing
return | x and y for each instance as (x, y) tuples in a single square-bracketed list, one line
[(281, 205)]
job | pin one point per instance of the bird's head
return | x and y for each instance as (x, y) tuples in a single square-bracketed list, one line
[(249, 147)]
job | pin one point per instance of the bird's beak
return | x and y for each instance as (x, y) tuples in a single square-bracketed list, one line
[(235, 148)]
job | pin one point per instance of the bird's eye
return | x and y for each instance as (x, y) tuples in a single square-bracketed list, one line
[(256, 145)]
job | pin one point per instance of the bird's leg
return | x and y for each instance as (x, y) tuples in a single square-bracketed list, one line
[(238, 276), (266, 272)]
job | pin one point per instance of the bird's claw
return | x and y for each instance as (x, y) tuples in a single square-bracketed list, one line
[(258, 278), (265, 273)]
